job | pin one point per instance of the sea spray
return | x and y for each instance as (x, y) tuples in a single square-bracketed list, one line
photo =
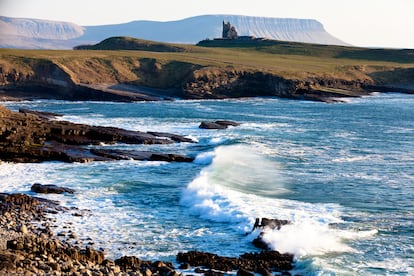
[(240, 184), (222, 190)]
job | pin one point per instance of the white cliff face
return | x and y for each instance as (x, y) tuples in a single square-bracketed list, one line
[(40, 29), (193, 29), (33, 33), (286, 29)]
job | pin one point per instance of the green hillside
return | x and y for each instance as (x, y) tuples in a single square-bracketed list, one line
[(129, 43)]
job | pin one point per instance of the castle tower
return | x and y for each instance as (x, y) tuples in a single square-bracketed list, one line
[(229, 31)]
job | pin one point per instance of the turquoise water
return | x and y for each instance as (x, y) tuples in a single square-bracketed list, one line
[(342, 173)]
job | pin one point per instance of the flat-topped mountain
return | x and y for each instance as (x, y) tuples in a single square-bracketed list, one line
[(43, 34), (29, 33)]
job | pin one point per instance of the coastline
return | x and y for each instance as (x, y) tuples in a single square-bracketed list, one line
[(29, 245), (202, 73)]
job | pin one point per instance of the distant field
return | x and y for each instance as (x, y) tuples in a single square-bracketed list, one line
[(316, 50)]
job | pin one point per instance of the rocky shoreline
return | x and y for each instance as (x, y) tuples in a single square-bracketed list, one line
[(31, 136), (28, 246)]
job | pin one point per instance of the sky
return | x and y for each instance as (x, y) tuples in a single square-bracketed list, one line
[(367, 23)]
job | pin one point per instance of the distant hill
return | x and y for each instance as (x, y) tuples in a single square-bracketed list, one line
[(254, 46), (34, 33), (130, 43)]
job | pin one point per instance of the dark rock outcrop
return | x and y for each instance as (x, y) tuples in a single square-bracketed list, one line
[(217, 124), (248, 262), (221, 84), (26, 137), (274, 224), (127, 262), (270, 223), (140, 155), (50, 189), (174, 137)]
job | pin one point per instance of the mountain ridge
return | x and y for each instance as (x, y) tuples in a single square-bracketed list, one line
[(46, 34)]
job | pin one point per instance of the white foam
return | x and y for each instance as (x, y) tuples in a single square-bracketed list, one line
[(235, 171), (194, 138), (347, 159), (394, 266), (240, 184), (20, 176), (204, 158), (217, 141), (264, 126), (306, 238)]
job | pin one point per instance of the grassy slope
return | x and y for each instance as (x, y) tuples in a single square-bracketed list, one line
[(129, 43), (161, 69)]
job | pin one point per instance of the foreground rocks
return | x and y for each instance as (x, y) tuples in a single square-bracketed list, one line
[(31, 136), (263, 263), (29, 247)]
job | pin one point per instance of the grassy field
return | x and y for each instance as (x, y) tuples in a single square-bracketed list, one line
[(285, 59), (316, 50)]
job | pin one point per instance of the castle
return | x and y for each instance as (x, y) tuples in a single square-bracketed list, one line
[(230, 36), (230, 33)]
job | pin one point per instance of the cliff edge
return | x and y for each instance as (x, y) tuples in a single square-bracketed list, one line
[(229, 69)]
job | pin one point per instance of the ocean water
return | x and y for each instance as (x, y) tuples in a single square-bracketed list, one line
[(343, 174)]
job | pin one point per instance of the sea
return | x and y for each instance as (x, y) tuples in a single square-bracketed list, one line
[(341, 173)]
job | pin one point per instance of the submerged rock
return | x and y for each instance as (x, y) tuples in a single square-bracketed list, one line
[(50, 189), (271, 223), (217, 124), (274, 224)]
